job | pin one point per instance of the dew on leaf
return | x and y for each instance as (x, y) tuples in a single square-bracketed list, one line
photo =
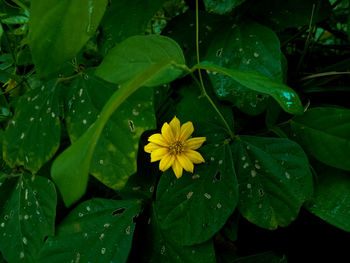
[(245, 165), (151, 189), (253, 173), (256, 54), (189, 195), (196, 176), (106, 225), (249, 186), (162, 250), (81, 214), (287, 175), (21, 255), (103, 251), (25, 241), (101, 236), (218, 205), (135, 112), (127, 230), (208, 196), (22, 135)]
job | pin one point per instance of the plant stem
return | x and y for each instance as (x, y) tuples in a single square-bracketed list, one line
[(200, 82)]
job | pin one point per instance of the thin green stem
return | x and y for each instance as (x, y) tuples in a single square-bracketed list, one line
[(205, 95), (200, 81)]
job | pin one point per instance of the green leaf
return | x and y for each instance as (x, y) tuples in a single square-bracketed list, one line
[(211, 192), (274, 180), (324, 133), (182, 29), (142, 184), (70, 169), (160, 248), (33, 136), (221, 6), (125, 18), (285, 96), (331, 201), (246, 46), (136, 54), (293, 13), (59, 29), (98, 230), (210, 125), (28, 202), (114, 158)]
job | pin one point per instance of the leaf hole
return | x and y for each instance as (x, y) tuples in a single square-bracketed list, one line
[(261, 192), (259, 96), (219, 52), (218, 175), (118, 211), (131, 125)]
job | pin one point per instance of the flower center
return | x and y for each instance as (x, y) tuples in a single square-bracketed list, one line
[(176, 148)]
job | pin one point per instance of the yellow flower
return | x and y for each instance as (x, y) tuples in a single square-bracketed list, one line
[(174, 148)]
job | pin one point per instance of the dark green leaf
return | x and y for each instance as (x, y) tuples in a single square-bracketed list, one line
[(293, 13), (136, 54), (70, 169), (33, 136), (114, 158), (274, 180), (183, 30), (59, 29), (331, 201), (209, 125), (125, 18), (98, 230), (27, 216), (285, 96), (211, 192), (161, 249), (221, 6), (246, 46), (324, 133)]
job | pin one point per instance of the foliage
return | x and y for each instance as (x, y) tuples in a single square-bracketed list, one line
[(85, 83)]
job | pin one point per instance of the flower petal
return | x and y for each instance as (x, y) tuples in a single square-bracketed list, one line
[(185, 162), (194, 156), (177, 168), (186, 131), (175, 126), (151, 147), (158, 154), (194, 143), (167, 133), (166, 162), (157, 138)]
